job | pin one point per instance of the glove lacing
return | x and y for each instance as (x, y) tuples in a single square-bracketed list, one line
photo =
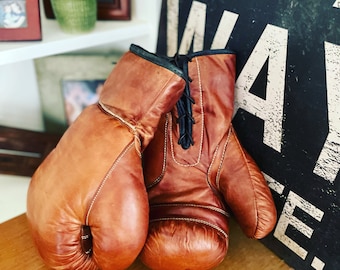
[(184, 104)]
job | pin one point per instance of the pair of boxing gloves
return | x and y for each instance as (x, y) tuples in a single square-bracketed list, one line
[(154, 169)]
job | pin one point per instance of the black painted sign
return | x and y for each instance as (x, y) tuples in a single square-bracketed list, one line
[(287, 107)]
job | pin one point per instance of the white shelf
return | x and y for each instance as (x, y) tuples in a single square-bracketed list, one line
[(54, 41)]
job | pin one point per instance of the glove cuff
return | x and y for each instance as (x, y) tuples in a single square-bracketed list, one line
[(213, 217)]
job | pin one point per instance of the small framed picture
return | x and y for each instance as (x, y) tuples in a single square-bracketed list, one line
[(69, 83), (19, 20), (78, 94), (106, 9)]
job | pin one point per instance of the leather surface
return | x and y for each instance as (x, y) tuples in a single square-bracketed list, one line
[(94, 176), (191, 191)]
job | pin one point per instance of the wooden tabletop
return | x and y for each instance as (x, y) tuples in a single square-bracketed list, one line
[(18, 253)]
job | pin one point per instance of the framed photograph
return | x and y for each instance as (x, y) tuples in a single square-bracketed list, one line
[(78, 94), (106, 9), (69, 83), (19, 20)]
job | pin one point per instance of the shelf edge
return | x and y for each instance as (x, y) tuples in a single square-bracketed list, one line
[(39, 49)]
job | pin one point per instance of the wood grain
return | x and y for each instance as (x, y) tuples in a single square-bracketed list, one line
[(17, 251)]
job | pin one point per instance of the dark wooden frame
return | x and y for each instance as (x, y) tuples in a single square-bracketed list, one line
[(33, 29), (22, 151), (117, 10)]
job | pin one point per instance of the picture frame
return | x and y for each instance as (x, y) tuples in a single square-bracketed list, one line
[(20, 20), (78, 94), (53, 74), (106, 10)]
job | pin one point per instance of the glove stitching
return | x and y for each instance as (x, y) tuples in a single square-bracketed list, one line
[(107, 110), (213, 208), (251, 182), (158, 179), (130, 126), (194, 220), (114, 165), (219, 170), (210, 168)]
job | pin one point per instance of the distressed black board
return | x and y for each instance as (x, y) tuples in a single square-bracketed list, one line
[(287, 107)]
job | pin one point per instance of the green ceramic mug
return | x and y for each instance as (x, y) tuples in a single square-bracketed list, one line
[(75, 16)]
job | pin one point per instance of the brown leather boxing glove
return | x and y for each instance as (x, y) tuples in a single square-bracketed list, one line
[(195, 170), (87, 204)]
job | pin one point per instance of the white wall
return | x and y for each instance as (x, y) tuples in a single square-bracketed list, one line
[(20, 108), (19, 98)]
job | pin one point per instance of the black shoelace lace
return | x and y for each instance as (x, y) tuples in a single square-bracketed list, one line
[(184, 104)]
